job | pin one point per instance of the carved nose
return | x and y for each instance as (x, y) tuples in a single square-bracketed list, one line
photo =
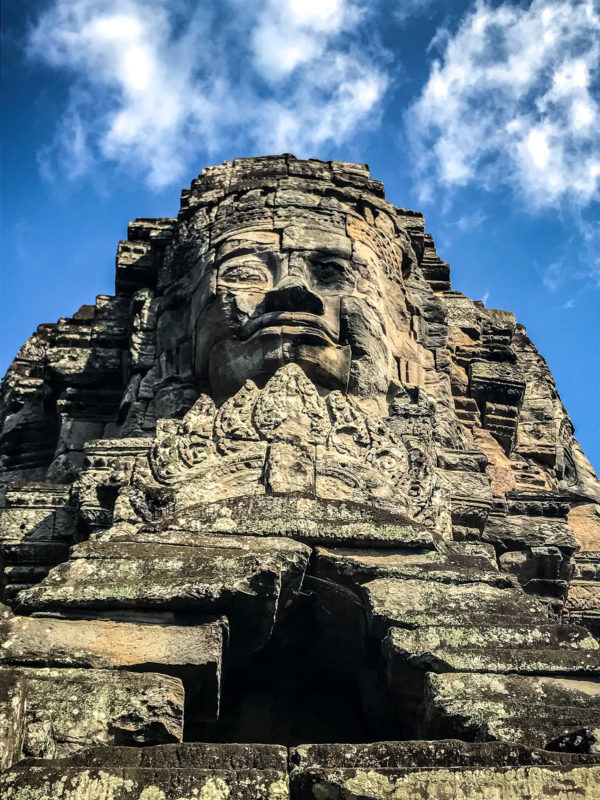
[(292, 294)]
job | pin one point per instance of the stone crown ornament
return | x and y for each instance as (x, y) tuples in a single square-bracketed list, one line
[(286, 488)]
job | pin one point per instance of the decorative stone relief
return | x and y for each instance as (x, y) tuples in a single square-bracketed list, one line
[(288, 486), (352, 456)]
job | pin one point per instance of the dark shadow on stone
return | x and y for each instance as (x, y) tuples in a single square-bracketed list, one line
[(288, 694)]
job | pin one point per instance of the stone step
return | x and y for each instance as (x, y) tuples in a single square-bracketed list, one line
[(25, 573), (440, 770), (11, 590), (44, 553), (309, 519), (519, 531), (417, 604), (167, 772), (246, 579), (516, 635), (547, 649), (193, 653), (549, 713), (68, 709), (469, 563)]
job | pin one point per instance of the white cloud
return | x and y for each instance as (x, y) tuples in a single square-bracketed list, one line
[(153, 82), (308, 123), (587, 242), (292, 32), (514, 99)]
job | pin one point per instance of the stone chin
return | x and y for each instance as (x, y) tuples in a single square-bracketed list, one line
[(234, 361)]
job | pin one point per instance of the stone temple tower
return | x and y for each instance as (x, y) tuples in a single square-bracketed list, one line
[(287, 516)]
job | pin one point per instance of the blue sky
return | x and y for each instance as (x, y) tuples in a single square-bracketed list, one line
[(484, 115)]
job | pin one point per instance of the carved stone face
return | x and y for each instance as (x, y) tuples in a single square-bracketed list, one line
[(310, 295)]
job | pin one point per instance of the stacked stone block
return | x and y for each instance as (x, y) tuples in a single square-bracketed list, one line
[(288, 487)]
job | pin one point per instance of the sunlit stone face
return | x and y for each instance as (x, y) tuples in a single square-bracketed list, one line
[(311, 295)]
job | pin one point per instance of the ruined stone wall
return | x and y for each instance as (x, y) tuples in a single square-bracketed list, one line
[(287, 486)]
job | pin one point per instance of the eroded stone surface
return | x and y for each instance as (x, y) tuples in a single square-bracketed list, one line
[(550, 713), (416, 604), (248, 580), (284, 366), (12, 716), (465, 563), (584, 521), (275, 264), (68, 709), (193, 653), (211, 772), (543, 649), (439, 770), (309, 519)]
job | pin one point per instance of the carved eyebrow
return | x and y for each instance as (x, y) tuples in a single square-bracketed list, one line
[(268, 258), (239, 259), (245, 272), (242, 262)]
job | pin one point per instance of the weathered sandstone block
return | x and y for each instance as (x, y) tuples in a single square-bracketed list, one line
[(309, 519), (550, 713), (288, 451), (466, 563), (67, 709), (248, 772), (194, 576), (543, 649), (440, 770), (193, 653), (418, 603), (12, 716)]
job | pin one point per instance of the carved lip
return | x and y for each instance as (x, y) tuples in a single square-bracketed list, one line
[(279, 319)]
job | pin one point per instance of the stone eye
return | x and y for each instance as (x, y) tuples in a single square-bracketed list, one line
[(330, 273), (248, 273)]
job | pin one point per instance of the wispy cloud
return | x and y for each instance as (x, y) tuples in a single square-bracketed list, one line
[(587, 243), (554, 275), (514, 99), (409, 9), (468, 222), (579, 256), (155, 82)]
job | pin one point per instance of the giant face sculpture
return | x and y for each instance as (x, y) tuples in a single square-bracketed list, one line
[(326, 297), (302, 339)]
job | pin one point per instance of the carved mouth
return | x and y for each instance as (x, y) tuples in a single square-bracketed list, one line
[(286, 319)]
